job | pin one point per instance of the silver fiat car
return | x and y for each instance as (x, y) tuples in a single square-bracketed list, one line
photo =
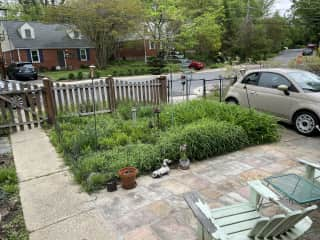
[(290, 94)]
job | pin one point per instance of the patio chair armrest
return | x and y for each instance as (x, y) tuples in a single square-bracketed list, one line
[(259, 190), (309, 163), (192, 198)]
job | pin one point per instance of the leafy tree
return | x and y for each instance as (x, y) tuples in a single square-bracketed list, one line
[(203, 33), (103, 22), (162, 21), (307, 13)]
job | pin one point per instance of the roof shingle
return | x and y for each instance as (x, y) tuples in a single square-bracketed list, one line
[(46, 36)]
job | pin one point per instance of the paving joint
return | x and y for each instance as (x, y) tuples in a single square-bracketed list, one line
[(45, 175)]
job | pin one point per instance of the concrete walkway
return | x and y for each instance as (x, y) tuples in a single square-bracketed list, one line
[(55, 208)]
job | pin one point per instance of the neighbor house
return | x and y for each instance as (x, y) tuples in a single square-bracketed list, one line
[(48, 46), (57, 46)]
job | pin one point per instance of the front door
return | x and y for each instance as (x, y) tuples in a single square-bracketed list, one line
[(61, 60)]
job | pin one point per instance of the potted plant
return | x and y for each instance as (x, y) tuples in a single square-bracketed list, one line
[(184, 161), (128, 177), (112, 184)]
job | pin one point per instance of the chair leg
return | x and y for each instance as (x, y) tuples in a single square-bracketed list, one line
[(202, 234)]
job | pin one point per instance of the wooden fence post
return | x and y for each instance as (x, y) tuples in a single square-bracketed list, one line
[(163, 89), (111, 94), (49, 100)]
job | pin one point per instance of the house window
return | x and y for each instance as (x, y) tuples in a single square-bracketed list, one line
[(83, 54), (76, 35), (152, 45), (27, 33), (35, 56)]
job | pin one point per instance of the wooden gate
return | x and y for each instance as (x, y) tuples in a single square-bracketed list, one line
[(21, 106)]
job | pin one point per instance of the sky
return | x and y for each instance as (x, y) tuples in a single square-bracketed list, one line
[(282, 5)]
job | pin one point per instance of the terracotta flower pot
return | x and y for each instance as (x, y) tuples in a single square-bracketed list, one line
[(128, 177)]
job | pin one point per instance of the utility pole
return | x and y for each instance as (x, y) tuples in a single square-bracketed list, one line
[(2, 38), (248, 11)]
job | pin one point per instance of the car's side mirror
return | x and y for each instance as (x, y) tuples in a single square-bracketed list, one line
[(284, 88)]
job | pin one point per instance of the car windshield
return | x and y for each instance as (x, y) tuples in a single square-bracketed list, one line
[(27, 68), (306, 80)]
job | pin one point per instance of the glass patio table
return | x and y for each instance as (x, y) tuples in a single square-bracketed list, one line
[(295, 187)]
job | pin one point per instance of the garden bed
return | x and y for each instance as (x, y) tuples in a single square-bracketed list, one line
[(207, 127), (12, 226)]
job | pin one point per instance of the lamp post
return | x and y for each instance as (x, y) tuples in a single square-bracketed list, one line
[(92, 70), (3, 13)]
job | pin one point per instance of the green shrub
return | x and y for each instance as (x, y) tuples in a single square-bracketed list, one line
[(71, 76), (124, 109), (204, 139), (115, 73), (4, 119), (129, 72), (9, 180), (136, 72), (260, 127), (80, 76), (62, 79), (96, 181), (97, 74)]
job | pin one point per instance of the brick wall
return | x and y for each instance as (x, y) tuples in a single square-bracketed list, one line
[(136, 50), (50, 58)]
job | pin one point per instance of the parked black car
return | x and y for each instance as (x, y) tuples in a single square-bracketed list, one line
[(307, 52), (22, 71)]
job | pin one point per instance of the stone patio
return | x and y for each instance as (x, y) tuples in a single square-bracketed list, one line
[(155, 209)]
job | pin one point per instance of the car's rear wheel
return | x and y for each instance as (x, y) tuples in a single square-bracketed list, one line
[(306, 123), (232, 101)]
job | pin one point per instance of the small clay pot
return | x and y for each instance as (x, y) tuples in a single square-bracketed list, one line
[(128, 177), (112, 186)]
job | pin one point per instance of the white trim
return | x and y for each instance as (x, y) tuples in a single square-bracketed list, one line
[(19, 57), (65, 59), (38, 53), (85, 51)]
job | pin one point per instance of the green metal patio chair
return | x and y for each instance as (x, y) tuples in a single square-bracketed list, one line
[(245, 222)]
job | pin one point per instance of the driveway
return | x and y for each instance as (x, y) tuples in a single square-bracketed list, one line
[(55, 208)]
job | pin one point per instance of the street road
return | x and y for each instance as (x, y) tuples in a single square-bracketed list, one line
[(196, 83)]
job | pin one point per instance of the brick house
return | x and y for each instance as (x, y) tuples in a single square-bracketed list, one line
[(49, 46), (137, 47)]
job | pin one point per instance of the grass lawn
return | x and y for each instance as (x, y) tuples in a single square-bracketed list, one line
[(207, 128), (127, 68)]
